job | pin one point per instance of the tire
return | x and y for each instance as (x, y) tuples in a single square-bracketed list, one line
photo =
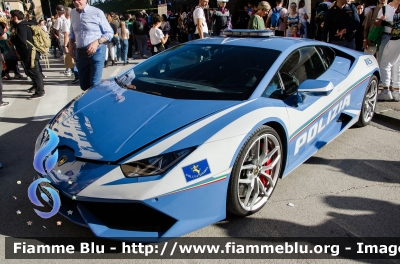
[(257, 171), (369, 103)]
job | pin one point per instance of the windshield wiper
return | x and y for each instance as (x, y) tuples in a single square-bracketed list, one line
[(153, 93)]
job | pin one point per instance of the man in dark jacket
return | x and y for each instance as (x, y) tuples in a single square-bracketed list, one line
[(340, 24), (23, 33)]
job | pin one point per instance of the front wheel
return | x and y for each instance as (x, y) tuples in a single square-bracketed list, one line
[(255, 172), (369, 103)]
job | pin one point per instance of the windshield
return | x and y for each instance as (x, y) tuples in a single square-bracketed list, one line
[(202, 72)]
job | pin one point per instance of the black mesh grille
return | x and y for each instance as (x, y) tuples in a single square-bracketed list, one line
[(130, 216)]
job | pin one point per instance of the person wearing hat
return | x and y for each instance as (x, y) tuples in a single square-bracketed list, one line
[(220, 18), (89, 32)]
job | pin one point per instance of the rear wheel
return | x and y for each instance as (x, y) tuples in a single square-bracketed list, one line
[(255, 172), (369, 103)]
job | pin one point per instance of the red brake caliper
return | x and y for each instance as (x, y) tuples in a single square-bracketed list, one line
[(263, 179)]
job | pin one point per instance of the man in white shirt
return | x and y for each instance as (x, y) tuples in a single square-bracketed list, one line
[(199, 19), (58, 26)]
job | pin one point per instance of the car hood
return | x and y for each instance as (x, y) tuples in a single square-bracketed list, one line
[(109, 122)]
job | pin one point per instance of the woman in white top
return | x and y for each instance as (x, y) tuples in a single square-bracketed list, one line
[(157, 37), (303, 19), (123, 34)]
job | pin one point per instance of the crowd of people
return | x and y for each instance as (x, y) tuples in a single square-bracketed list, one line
[(90, 39)]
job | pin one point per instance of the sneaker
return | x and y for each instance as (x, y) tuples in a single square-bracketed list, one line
[(31, 90), (75, 81), (36, 96), (19, 76), (385, 95), (396, 95), (4, 103), (68, 74)]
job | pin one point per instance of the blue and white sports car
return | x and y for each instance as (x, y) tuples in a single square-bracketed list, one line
[(203, 128)]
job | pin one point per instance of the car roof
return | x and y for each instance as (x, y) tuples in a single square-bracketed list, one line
[(276, 43)]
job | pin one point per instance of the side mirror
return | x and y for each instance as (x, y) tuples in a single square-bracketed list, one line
[(315, 86)]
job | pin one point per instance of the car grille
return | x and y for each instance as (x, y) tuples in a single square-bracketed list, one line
[(130, 216)]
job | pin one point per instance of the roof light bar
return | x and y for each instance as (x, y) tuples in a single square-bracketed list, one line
[(248, 33)]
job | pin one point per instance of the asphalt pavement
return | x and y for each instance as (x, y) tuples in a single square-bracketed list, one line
[(388, 111)]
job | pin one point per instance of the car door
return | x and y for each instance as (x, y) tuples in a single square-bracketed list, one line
[(309, 117)]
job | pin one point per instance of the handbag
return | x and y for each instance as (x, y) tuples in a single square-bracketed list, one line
[(69, 61), (375, 35)]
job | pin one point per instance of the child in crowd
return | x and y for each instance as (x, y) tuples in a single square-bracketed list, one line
[(295, 32)]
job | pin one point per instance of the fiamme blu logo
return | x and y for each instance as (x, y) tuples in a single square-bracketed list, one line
[(44, 161)]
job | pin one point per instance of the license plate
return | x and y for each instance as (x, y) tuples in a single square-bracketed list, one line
[(44, 190)]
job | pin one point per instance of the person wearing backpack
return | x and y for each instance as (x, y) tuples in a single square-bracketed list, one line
[(23, 33), (277, 19), (140, 29), (340, 24)]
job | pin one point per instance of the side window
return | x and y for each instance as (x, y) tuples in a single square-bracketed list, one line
[(327, 55), (314, 66), (274, 88), (302, 64)]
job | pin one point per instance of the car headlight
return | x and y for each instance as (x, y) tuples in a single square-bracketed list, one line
[(154, 165)]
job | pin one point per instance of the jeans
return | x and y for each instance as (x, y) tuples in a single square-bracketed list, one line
[(142, 44), (75, 71), (118, 49), (124, 46), (91, 69), (304, 26), (384, 42), (36, 76), (110, 47)]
